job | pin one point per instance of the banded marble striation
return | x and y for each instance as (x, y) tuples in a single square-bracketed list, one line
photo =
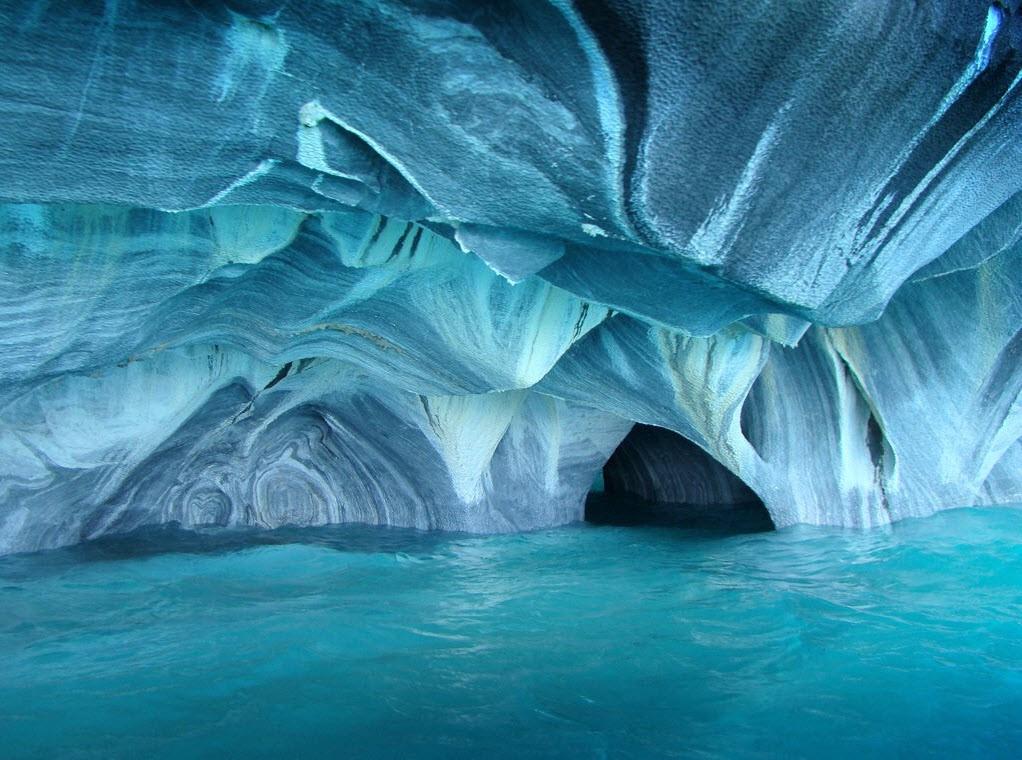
[(426, 262)]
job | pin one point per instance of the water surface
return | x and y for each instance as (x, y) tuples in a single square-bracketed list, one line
[(587, 641)]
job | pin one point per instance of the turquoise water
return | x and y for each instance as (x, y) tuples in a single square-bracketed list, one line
[(583, 642)]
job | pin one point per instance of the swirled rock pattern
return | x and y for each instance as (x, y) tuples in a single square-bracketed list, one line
[(426, 262)]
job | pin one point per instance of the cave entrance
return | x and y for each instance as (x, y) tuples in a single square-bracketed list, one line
[(657, 477)]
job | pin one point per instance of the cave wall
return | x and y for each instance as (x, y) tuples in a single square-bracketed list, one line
[(426, 262)]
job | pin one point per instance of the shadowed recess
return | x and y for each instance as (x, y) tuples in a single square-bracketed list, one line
[(657, 476)]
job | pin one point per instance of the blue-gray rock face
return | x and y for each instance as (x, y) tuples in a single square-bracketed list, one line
[(426, 262)]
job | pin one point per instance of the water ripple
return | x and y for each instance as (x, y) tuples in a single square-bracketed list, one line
[(583, 642)]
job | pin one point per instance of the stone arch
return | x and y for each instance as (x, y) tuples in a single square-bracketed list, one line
[(657, 476)]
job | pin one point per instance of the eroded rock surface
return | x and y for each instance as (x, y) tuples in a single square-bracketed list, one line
[(426, 262)]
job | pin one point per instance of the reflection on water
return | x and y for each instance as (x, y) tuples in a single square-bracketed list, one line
[(700, 640)]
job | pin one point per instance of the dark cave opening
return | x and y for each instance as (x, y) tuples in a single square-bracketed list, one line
[(658, 477)]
